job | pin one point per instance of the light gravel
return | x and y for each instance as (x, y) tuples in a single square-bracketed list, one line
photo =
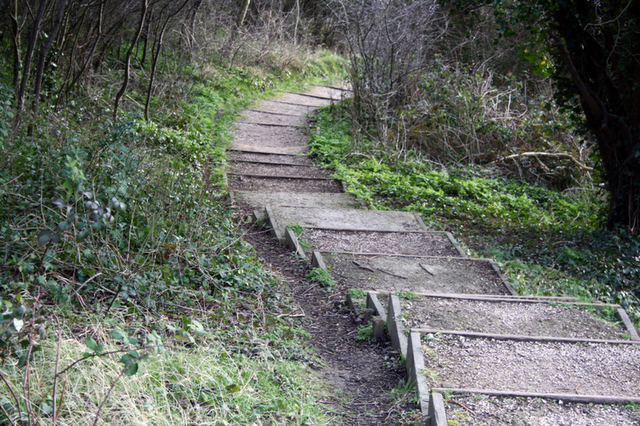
[(507, 365), (408, 243), (480, 410), (528, 319)]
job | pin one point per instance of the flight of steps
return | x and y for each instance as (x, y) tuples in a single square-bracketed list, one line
[(459, 325)]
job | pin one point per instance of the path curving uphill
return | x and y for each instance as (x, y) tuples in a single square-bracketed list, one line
[(461, 328)]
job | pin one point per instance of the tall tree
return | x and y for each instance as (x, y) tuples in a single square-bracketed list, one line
[(596, 51)]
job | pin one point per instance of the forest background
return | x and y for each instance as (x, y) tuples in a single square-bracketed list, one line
[(123, 272)]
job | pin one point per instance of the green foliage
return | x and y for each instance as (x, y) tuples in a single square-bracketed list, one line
[(469, 194), (322, 276), (365, 333), (6, 114), (120, 226), (409, 295), (296, 228), (357, 292)]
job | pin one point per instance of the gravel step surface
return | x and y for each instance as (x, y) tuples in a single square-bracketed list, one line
[(530, 319), (299, 160), (270, 119), (282, 108), (248, 183), (345, 219), (507, 365), (480, 410), (297, 99), (261, 199), (390, 243), (328, 92), (391, 274), (268, 139), (277, 170)]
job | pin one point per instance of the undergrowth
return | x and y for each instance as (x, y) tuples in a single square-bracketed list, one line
[(550, 242), (127, 290)]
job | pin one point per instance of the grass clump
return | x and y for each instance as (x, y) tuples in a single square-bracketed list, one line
[(322, 276)]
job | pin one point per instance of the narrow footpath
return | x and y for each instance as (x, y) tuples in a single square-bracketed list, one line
[(474, 351)]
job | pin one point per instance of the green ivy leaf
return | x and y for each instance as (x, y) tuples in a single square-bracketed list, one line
[(91, 343), (118, 334), (44, 237)]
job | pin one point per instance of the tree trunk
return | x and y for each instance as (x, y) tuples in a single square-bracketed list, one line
[(156, 55), (35, 29), (601, 62), (127, 65), (242, 15), (43, 56)]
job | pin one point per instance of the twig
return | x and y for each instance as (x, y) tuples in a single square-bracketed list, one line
[(425, 269), (564, 155), (392, 274), (186, 307), (291, 316), (309, 289), (463, 406), (15, 398), (55, 378), (359, 265)]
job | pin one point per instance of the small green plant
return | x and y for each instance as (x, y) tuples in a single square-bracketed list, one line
[(365, 333), (296, 228), (409, 295), (632, 406), (357, 292), (321, 276), (431, 375)]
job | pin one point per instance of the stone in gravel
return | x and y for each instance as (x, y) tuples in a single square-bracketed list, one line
[(406, 243), (282, 108), (270, 119), (391, 274), (528, 319), (549, 367), (243, 168), (248, 183)]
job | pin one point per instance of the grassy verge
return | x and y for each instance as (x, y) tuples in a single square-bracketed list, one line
[(549, 242), (127, 291)]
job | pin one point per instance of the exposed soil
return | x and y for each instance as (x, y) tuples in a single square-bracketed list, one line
[(480, 410), (507, 365), (277, 170), (360, 373), (392, 274), (530, 319), (409, 243), (248, 183)]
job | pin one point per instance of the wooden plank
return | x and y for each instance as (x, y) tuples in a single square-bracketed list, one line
[(523, 338)]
